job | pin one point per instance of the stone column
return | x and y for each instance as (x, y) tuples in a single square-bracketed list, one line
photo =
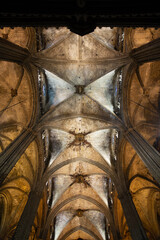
[(13, 53), (149, 155), (132, 218), (27, 218), (10, 156), (146, 53)]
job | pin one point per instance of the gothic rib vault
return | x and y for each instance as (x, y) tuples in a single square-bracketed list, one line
[(72, 109)]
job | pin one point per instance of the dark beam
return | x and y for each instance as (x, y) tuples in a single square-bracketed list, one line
[(81, 16)]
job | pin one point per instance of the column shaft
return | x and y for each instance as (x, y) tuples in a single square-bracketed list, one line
[(27, 218), (149, 155), (146, 53), (132, 218), (10, 156), (12, 52)]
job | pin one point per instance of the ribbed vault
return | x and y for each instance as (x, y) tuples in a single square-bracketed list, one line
[(70, 107), (79, 147)]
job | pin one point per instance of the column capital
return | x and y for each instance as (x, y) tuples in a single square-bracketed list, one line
[(12, 52), (146, 53)]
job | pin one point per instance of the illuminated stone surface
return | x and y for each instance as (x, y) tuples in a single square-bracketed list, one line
[(81, 90)]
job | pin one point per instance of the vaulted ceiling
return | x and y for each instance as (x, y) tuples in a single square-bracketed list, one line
[(82, 97)]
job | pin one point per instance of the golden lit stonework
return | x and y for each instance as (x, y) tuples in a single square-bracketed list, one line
[(79, 134)]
